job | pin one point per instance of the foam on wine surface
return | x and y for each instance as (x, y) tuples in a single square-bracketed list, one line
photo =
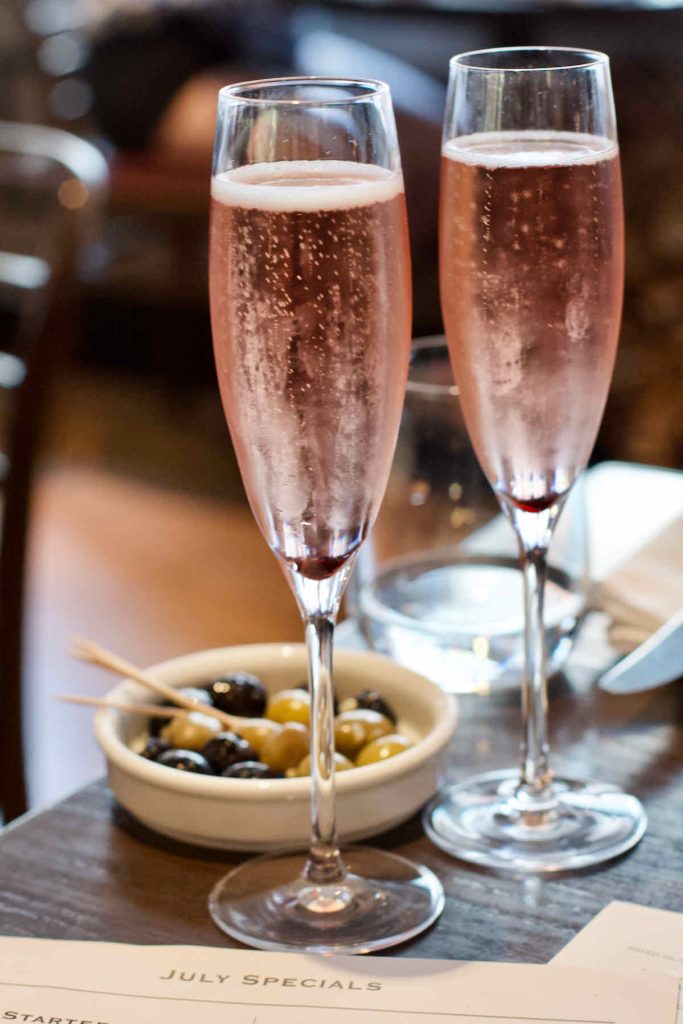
[(306, 185), (530, 149)]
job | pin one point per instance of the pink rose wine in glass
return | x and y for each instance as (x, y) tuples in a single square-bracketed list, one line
[(532, 279), (531, 270), (311, 318)]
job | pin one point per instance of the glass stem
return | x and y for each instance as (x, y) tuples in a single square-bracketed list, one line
[(324, 863), (534, 531), (319, 602), (535, 774)]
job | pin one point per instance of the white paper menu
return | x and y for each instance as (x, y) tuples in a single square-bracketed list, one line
[(630, 938), (45, 981)]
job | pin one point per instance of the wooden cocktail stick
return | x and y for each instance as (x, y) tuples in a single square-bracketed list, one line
[(86, 650), (102, 702)]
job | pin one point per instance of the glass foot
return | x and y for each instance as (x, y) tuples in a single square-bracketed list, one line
[(483, 820), (383, 900)]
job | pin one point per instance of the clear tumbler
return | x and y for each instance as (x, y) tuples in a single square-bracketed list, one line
[(438, 586)]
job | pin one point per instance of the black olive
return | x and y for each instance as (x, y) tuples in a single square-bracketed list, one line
[(251, 770), (196, 693), (225, 749), (185, 761), (239, 693), (370, 700), (154, 748)]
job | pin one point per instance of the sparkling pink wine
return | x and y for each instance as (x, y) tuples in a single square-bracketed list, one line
[(532, 249), (311, 312)]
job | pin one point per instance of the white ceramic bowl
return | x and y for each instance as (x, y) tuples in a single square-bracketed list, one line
[(249, 814)]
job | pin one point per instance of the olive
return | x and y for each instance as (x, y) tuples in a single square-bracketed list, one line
[(185, 761), (369, 700), (256, 731), (154, 747), (290, 706), (353, 730), (287, 747), (190, 731), (195, 693), (382, 748), (275, 731), (349, 736), (239, 693), (341, 764), (225, 749), (250, 770)]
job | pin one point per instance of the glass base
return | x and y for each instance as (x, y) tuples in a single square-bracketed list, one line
[(383, 900), (484, 821)]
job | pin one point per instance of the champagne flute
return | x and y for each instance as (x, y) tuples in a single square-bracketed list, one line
[(531, 268), (311, 319)]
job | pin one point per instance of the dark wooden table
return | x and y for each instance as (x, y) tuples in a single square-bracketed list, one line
[(83, 869)]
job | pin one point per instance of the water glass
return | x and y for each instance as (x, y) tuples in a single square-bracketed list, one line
[(438, 584)]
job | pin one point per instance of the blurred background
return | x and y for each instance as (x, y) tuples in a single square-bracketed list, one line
[(127, 405), (139, 78)]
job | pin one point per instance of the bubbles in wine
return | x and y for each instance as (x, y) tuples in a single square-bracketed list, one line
[(531, 242), (310, 299)]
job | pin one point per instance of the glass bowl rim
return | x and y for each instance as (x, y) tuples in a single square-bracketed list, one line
[(594, 58), (368, 88)]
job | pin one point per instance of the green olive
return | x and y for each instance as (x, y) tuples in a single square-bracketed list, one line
[(290, 706), (190, 731), (286, 747), (353, 730), (341, 764), (256, 731), (382, 748), (349, 737)]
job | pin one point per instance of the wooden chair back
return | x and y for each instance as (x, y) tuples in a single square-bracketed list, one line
[(52, 185)]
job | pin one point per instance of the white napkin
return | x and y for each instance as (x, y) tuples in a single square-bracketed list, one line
[(647, 590), (636, 529)]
